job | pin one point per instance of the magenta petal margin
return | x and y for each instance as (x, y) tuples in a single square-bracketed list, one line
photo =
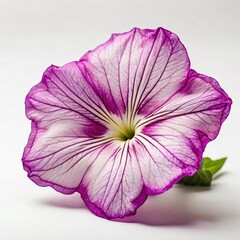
[(128, 120)]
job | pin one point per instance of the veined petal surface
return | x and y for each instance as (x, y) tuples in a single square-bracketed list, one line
[(138, 70), (128, 120)]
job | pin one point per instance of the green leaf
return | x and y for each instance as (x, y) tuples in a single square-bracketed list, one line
[(213, 166), (201, 178), (204, 176)]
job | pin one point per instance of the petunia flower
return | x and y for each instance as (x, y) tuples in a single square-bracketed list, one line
[(128, 120)]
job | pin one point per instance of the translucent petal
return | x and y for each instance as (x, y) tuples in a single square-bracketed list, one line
[(137, 85), (137, 71), (113, 186)]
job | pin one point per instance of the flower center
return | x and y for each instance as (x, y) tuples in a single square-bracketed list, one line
[(122, 129), (125, 133)]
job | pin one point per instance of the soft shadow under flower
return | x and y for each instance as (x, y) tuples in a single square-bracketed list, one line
[(177, 207)]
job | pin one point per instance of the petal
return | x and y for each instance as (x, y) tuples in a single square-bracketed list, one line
[(59, 161), (106, 173), (137, 70), (64, 126), (190, 119), (160, 168), (201, 103), (113, 186), (66, 87)]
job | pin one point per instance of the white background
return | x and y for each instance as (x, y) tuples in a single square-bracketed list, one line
[(35, 34)]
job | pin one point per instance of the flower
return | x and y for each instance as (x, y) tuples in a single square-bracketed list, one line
[(128, 120)]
